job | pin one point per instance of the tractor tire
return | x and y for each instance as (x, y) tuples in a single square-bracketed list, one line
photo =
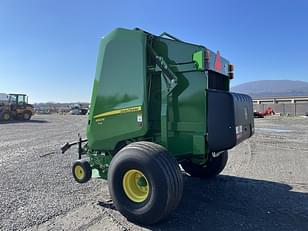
[(6, 116), (82, 171), (26, 115), (210, 169), (145, 182)]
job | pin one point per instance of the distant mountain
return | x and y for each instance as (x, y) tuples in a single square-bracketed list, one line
[(273, 88)]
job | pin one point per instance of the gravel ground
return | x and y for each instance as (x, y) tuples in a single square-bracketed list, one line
[(263, 187)]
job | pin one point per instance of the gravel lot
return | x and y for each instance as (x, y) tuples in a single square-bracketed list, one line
[(263, 187)]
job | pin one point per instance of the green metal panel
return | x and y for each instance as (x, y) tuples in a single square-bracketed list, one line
[(152, 88), (198, 145), (132, 73), (187, 103), (198, 57), (118, 109)]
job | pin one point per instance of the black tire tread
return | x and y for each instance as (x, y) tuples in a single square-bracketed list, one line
[(86, 166), (209, 170), (170, 169), (26, 112)]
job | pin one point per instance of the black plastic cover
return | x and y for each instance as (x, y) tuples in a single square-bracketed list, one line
[(217, 81), (230, 119)]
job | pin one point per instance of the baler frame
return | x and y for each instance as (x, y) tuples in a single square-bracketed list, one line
[(143, 176)]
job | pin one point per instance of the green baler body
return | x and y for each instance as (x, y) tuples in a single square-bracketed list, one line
[(119, 84), (132, 101)]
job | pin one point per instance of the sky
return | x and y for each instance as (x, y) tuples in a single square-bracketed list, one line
[(48, 48)]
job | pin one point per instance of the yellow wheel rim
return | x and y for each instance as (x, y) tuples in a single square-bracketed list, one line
[(79, 172), (136, 186)]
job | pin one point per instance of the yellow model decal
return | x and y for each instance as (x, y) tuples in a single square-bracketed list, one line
[(117, 112)]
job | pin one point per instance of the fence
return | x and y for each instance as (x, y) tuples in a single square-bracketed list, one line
[(298, 108)]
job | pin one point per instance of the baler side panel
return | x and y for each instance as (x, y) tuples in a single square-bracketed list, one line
[(118, 109), (187, 103)]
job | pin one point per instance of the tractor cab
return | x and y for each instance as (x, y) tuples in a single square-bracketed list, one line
[(18, 99)]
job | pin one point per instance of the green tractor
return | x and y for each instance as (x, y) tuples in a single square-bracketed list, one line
[(158, 102)]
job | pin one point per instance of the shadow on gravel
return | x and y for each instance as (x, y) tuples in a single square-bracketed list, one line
[(235, 203), (24, 121)]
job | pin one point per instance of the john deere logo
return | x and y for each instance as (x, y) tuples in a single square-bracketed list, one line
[(101, 116)]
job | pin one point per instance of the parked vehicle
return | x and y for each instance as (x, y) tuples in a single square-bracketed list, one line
[(15, 106), (158, 102), (268, 111)]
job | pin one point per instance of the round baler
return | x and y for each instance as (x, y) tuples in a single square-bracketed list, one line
[(158, 102)]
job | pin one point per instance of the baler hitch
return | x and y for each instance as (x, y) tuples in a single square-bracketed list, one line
[(67, 146)]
